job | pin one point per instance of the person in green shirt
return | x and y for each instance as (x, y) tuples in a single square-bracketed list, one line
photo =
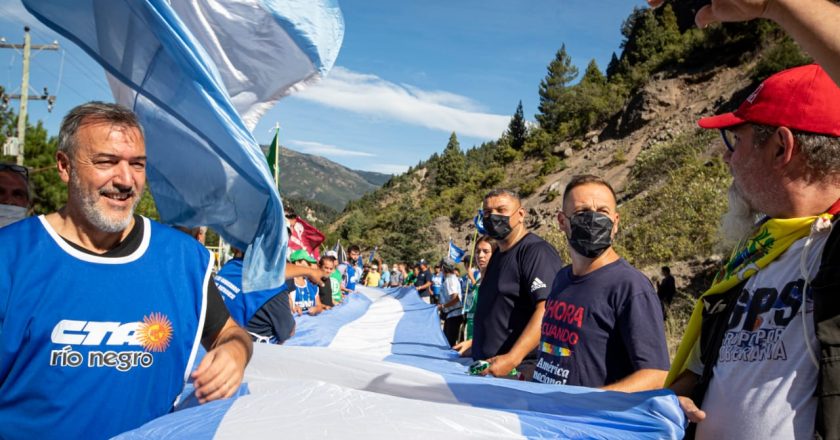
[(484, 248)]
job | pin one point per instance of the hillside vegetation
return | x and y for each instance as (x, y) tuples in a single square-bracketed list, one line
[(633, 124)]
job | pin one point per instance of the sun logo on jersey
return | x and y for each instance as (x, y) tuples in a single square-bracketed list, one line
[(155, 332)]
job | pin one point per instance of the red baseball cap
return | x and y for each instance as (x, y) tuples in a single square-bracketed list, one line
[(802, 98)]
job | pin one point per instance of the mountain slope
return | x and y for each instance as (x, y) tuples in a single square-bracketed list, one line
[(308, 177)]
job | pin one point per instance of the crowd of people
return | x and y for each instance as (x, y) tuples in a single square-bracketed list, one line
[(103, 306)]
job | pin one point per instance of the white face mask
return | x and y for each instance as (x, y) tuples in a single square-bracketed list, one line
[(10, 214)]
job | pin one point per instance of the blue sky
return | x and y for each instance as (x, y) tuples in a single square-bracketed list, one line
[(408, 74)]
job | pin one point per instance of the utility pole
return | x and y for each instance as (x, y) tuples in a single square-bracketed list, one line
[(15, 147)]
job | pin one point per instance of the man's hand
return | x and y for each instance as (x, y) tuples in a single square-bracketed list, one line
[(725, 10), (501, 365), (220, 372), (317, 276), (692, 412), (463, 346)]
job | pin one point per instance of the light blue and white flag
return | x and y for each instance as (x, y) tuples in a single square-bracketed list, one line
[(456, 254), (379, 367), (199, 74)]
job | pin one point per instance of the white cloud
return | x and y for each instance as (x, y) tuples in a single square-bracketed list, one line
[(387, 168), (371, 95), (326, 149)]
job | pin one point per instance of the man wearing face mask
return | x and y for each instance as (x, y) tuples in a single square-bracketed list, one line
[(14, 193), (603, 324), (512, 295)]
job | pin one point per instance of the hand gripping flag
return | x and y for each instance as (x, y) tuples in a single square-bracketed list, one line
[(198, 81), (456, 254)]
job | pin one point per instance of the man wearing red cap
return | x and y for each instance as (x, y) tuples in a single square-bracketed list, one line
[(759, 356)]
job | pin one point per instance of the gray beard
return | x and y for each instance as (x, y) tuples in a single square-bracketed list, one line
[(93, 215), (739, 220)]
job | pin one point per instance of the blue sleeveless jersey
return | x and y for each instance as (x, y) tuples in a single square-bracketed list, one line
[(91, 346), (241, 306), (305, 296)]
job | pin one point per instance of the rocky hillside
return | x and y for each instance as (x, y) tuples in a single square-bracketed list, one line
[(634, 126)]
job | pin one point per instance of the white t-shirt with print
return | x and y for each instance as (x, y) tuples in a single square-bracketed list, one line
[(764, 381)]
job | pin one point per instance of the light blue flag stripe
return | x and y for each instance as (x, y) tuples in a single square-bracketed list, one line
[(204, 167), (541, 410), (319, 331)]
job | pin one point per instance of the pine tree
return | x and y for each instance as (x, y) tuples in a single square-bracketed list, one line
[(451, 167), (613, 66), (553, 89), (517, 130)]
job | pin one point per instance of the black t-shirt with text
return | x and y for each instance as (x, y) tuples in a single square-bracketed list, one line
[(514, 283), (600, 327)]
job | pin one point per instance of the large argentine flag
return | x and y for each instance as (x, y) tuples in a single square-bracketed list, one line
[(378, 367), (199, 74)]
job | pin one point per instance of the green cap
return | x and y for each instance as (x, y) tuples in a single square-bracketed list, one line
[(301, 254)]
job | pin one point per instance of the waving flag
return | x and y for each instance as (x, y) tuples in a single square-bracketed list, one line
[(306, 236), (199, 74), (376, 365), (479, 223), (340, 253), (456, 254), (274, 155), (372, 254)]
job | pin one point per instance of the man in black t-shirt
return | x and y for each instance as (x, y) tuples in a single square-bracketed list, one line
[(602, 325), (423, 282), (512, 295)]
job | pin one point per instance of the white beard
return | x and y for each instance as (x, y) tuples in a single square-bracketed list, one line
[(92, 214), (739, 220)]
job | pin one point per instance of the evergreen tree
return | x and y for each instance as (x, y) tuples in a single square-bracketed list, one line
[(553, 90), (517, 130), (451, 167), (613, 66)]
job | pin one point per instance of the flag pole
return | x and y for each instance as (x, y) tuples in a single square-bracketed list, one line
[(277, 156), (472, 254)]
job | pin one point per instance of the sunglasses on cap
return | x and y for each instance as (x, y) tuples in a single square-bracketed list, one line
[(22, 170)]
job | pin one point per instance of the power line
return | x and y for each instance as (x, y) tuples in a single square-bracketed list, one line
[(15, 145)]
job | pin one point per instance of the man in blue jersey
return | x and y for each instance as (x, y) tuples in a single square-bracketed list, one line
[(101, 317), (353, 268), (265, 314)]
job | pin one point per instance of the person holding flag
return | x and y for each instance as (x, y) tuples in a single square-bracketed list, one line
[(484, 249), (759, 356), (450, 306), (423, 281)]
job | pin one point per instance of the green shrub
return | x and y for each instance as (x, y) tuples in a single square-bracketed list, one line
[(780, 56), (679, 218), (530, 186), (660, 159)]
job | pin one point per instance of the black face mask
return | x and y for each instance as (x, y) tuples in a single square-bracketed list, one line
[(497, 226), (591, 233)]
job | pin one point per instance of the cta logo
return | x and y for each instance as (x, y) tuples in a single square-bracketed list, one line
[(153, 334)]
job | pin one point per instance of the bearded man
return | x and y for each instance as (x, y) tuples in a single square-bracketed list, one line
[(102, 310)]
